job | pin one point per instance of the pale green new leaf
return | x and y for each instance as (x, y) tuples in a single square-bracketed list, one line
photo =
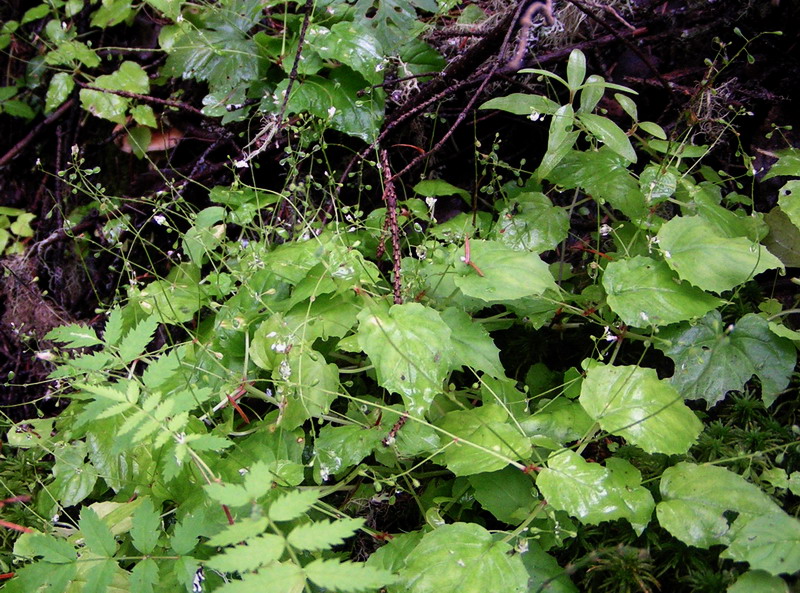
[(255, 553), (769, 542), (507, 274), (74, 336), (278, 577), (346, 577), (462, 558), (486, 440), (699, 254), (645, 292), (96, 534), (293, 504), (240, 531), (632, 402), (137, 339), (696, 501), (146, 526), (594, 493), (322, 535), (410, 347)]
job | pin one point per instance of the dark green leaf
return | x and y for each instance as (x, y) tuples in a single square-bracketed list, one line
[(145, 527), (472, 345), (508, 494), (532, 223)]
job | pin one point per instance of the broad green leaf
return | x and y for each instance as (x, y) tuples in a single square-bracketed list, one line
[(560, 420), (68, 52), (41, 576), (98, 537), (532, 223), (645, 292), (657, 183), (472, 345), (462, 558), (410, 347), (233, 495), (769, 542), (146, 527), (591, 93), (783, 240), (170, 8), (61, 86), (74, 479), (185, 534), (255, 553), (53, 550), (486, 441), (594, 493), (341, 447), (696, 502), (393, 555), (292, 505), (393, 21), (144, 576), (349, 43), (504, 393), (632, 402), (278, 577), (306, 386), (508, 494), (610, 134), (603, 175), (545, 575), (105, 105), (322, 535), (758, 581), (532, 106), (333, 575), (244, 529), (174, 299), (35, 432), (560, 140), (111, 12), (712, 359), (789, 200), (576, 69), (788, 164), (439, 187), (507, 274), (700, 255)]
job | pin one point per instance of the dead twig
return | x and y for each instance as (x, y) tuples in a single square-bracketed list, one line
[(390, 197), (545, 9), (146, 98)]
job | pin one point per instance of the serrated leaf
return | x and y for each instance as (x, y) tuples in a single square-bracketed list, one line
[(96, 534), (189, 528), (42, 576), (74, 336), (645, 292), (486, 440), (700, 255), (278, 577), (293, 504), (594, 493), (209, 442), (255, 553), (350, 43), (507, 274), (768, 542), (711, 359), (462, 558), (112, 332), (144, 576), (632, 402), (410, 347), (137, 339), (322, 535), (696, 501), (51, 549), (240, 531), (347, 577), (100, 576), (473, 346), (145, 527), (508, 494), (233, 495), (610, 134)]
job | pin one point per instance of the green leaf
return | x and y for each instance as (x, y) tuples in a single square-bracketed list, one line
[(278, 577), (696, 502), (462, 558), (105, 105), (560, 420), (393, 21), (439, 187), (74, 336), (789, 200), (783, 240), (112, 332), (645, 292), (472, 345), (711, 359), (485, 440), (531, 106), (349, 43), (507, 494), (51, 549), (700, 255), (758, 581), (657, 183), (410, 347), (322, 535), (144, 116), (170, 8), (100, 576), (255, 553), (244, 529), (591, 93), (545, 575), (341, 447), (176, 298), (145, 527), (61, 86), (144, 576), (532, 223), (346, 576), (576, 69), (610, 134), (594, 493), (768, 542), (632, 402), (41, 576), (293, 504), (137, 339), (788, 164), (98, 537), (111, 12), (68, 52), (560, 140), (233, 495), (507, 274)]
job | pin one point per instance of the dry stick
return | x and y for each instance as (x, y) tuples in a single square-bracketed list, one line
[(146, 98), (579, 5), (270, 131), (390, 197), (526, 20), (19, 146)]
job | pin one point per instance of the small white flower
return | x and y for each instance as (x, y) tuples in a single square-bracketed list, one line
[(160, 219), (240, 164), (45, 355), (331, 111), (535, 116), (605, 230)]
